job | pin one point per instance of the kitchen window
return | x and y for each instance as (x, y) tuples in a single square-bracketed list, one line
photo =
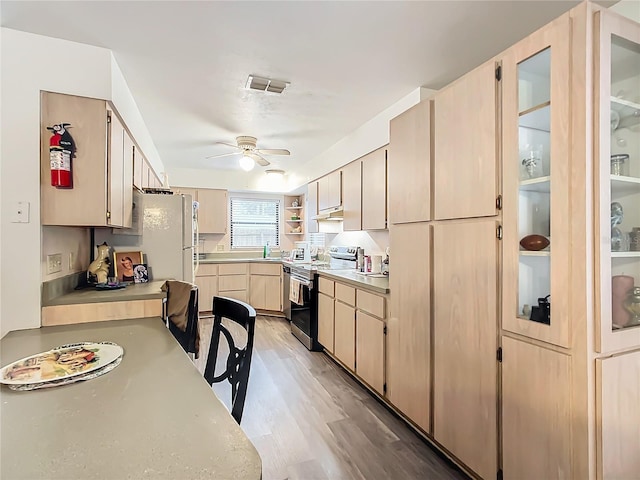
[(254, 223)]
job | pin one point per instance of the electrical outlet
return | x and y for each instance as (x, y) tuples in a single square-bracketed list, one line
[(220, 247), (54, 263)]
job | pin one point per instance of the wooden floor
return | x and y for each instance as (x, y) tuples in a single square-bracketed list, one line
[(309, 420)]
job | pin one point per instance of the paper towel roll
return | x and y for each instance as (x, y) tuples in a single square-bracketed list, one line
[(376, 263)]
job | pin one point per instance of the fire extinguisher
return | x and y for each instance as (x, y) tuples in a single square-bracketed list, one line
[(61, 152)]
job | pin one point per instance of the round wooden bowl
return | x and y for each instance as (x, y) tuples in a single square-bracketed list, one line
[(534, 242)]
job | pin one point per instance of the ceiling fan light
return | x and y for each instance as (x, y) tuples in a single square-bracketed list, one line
[(275, 173), (247, 163)]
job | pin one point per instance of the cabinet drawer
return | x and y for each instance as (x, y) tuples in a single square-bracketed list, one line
[(205, 269), (370, 303), (325, 286), (346, 294), (232, 282), (232, 268), (265, 269)]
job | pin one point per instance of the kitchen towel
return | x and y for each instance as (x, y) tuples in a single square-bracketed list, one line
[(182, 313), (295, 291)]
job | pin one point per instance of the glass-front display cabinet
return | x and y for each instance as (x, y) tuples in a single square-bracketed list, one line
[(617, 192), (536, 165)]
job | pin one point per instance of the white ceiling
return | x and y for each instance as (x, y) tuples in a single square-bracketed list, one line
[(186, 63)]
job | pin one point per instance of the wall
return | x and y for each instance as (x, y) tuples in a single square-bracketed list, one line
[(211, 242), (28, 65), (72, 243)]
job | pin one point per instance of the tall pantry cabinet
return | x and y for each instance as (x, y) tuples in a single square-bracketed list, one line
[(556, 358), (571, 105)]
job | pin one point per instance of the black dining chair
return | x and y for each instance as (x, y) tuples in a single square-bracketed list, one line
[(238, 362)]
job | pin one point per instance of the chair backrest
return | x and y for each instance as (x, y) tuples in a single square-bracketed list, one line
[(239, 359), (189, 338)]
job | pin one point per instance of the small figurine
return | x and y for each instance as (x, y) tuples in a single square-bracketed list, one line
[(295, 204), (99, 268)]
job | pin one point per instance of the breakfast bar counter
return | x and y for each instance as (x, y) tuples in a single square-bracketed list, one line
[(133, 291), (153, 416)]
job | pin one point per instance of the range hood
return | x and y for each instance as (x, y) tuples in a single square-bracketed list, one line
[(335, 214)]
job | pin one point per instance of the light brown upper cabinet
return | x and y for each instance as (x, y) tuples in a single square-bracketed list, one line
[(212, 208), (617, 192), (536, 119), (212, 211), (374, 190), (138, 162), (465, 160), (330, 191), (102, 173), (352, 196), (409, 165), (145, 175), (465, 331), (312, 207)]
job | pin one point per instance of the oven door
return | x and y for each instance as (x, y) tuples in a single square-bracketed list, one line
[(304, 316)]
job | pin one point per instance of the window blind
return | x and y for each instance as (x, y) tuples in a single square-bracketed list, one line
[(254, 222)]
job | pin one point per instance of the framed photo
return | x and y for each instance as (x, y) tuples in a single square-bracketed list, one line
[(123, 265), (140, 273)]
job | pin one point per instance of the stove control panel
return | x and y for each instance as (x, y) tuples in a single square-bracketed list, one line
[(343, 253)]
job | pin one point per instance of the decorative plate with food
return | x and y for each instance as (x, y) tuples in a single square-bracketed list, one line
[(61, 362)]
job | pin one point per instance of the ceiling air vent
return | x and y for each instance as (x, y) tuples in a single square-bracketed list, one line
[(265, 84)]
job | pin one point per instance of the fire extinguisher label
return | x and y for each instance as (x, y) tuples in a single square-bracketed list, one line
[(60, 160)]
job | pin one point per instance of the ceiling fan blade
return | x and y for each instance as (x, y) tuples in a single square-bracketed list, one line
[(228, 145), (259, 160), (224, 155), (272, 151)]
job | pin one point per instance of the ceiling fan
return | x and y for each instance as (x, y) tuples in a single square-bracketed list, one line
[(251, 155)]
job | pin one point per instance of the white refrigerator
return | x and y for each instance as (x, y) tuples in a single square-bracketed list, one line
[(164, 229)]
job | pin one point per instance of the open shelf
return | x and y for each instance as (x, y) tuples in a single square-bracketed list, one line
[(295, 221), (294, 208), (294, 233)]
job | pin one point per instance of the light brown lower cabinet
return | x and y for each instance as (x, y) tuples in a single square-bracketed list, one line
[(265, 286), (465, 342), (207, 282), (265, 292), (100, 312), (618, 439), (536, 413), (370, 350), (345, 334), (325, 321)]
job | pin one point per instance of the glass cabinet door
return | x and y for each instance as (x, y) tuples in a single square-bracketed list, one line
[(536, 185), (617, 195)]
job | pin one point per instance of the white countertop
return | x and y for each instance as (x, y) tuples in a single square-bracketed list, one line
[(153, 416)]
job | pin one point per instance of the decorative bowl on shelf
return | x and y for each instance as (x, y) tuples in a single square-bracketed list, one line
[(534, 242)]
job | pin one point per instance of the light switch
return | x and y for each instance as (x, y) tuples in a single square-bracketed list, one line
[(20, 212)]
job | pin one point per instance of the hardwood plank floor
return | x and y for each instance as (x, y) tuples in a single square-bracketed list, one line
[(310, 420)]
